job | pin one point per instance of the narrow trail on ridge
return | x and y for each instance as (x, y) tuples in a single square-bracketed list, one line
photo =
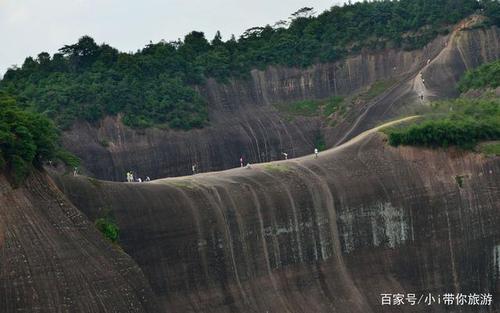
[(411, 82)]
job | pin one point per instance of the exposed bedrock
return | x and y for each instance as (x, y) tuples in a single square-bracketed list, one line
[(244, 122), (313, 235), (53, 260)]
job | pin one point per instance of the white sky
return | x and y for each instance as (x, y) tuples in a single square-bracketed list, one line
[(28, 27)]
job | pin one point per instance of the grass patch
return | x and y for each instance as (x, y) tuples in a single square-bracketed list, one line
[(181, 184), (324, 107), (490, 148), (319, 142), (377, 88), (277, 168), (300, 108), (333, 105), (95, 182)]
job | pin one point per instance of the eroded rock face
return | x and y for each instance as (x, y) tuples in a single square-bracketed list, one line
[(245, 123), (52, 259), (313, 235)]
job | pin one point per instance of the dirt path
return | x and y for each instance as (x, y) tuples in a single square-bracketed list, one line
[(412, 82)]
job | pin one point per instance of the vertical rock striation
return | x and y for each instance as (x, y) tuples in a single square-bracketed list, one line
[(53, 260), (244, 122), (312, 235)]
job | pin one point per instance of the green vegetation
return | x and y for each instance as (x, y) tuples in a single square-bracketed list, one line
[(300, 108), (27, 139), (181, 183), (319, 141), (461, 122), (312, 107), (108, 228), (154, 86), (333, 105), (490, 148), (376, 89), (277, 168), (484, 76), (460, 181)]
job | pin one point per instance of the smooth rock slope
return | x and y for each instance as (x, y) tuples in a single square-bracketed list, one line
[(313, 235), (53, 260)]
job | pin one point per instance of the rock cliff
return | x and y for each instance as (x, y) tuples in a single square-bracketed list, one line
[(313, 235), (245, 122), (52, 259)]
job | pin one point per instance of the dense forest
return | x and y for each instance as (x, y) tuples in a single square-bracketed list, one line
[(27, 139), (154, 86)]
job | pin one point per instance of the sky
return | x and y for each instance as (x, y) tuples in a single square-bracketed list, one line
[(28, 27)]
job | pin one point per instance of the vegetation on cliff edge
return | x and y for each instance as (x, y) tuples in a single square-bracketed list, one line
[(154, 85), (484, 76), (27, 139), (462, 122)]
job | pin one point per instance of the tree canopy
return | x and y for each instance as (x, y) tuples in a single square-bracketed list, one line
[(155, 84), (26, 138)]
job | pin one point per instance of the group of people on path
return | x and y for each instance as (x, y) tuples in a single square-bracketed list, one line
[(285, 155), (130, 178), (194, 168)]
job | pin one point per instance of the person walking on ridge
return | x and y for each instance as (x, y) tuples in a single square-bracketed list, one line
[(316, 152)]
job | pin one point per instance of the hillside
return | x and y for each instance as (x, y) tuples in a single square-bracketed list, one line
[(154, 86), (312, 235), (250, 118), (53, 260), (401, 98)]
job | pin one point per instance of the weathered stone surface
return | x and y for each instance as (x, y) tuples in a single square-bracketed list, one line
[(244, 121), (313, 235), (52, 259)]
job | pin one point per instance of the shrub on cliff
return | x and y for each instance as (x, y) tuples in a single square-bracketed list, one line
[(461, 122), (484, 76), (108, 228)]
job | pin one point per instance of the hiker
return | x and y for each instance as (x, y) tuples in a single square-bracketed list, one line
[(422, 97), (193, 168), (147, 178), (139, 180), (241, 161), (428, 61), (316, 153), (75, 171), (128, 177), (131, 176), (285, 155), (248, 165)]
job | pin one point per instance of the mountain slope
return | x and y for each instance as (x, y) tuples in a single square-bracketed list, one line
[(313, 235), (53, 260), (245, 120)]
